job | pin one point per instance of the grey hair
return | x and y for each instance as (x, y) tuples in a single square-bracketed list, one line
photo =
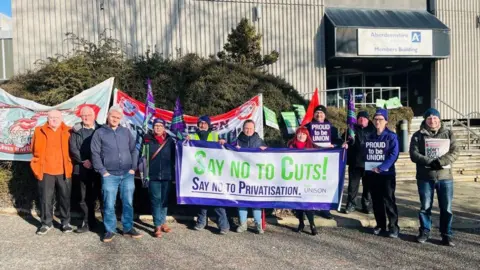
[(115, 108)]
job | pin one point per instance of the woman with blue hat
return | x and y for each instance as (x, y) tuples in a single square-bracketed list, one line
[(381, 153)]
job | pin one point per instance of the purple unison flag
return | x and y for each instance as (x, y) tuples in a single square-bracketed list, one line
[(351, 117), (178, 125), (149, 105)]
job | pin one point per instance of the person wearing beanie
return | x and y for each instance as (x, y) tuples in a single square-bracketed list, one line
[(157, 167), (205, 133), (324, 135), (433, 149), (356, 164), (381, 153), (302, 140)]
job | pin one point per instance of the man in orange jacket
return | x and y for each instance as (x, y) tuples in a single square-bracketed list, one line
[(52, 167)]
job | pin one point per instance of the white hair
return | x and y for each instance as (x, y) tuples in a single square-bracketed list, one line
[(116, 108), (87, 109)]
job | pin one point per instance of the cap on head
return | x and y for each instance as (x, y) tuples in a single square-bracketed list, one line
[(362, 114), (431, 111), (382, 112), (204, 118), (158, 121), (320, 108)]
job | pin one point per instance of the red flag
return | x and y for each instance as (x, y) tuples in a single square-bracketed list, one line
[(264, 220), (314, 102)]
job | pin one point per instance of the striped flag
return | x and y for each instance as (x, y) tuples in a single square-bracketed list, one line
[(351, 117), (149, 106), (178, 125)]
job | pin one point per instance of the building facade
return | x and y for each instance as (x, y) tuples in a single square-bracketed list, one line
[(319, 46), (6, 48)]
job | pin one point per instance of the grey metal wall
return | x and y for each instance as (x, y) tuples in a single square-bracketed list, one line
[(378, 4), (292, 27), (457, 79)]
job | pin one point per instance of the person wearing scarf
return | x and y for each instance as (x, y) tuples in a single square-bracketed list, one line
[(302, 140), (157, 169)]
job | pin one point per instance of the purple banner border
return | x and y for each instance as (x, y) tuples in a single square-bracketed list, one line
[(255, 204)]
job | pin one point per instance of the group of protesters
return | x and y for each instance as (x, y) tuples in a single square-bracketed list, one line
[(104, 160)]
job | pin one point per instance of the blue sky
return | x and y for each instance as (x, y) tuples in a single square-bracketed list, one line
[(6, 7)]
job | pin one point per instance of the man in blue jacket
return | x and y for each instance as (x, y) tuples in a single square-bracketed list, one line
[(114, 157), (381, 153)]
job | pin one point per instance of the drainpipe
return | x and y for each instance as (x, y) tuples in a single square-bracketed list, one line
[(432, 7)]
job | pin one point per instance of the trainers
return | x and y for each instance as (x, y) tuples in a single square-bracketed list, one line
[(259, 228), (242, 228), (224, 231), (67, 228), (83, 228), (314, 230), (108, 237), (378, 231), (350, 209), (158, 232), (393, 233), (447, 241), (165, 228), (422, 237), (133, 233), (44, 229), (199, 226)]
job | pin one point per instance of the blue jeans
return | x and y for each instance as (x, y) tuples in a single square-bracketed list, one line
[(110, 186), (426, 190), (222, 220), (158, 191), (243, 212)]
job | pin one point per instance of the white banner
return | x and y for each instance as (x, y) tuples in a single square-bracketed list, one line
[(273, 178), (391, 42), (19, 117)]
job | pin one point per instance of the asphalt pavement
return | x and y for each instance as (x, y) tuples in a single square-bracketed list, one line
[(278, 248)]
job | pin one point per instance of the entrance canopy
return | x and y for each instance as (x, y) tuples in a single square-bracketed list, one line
[(408, 36)]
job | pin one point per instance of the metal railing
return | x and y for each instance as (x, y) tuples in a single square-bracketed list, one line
[(457, 120), (363, 95)]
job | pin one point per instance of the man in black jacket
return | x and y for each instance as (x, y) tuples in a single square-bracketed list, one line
[(320, 124), (356, 164), (81, 155)]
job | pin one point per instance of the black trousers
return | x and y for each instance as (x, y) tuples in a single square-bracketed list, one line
[(90, 191), (310, 216), (46, 188), (354, 176), (382, 188)]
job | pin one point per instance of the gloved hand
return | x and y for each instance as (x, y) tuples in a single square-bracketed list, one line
[(435, 165)]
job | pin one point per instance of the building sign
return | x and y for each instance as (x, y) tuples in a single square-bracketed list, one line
[(395, 42)]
